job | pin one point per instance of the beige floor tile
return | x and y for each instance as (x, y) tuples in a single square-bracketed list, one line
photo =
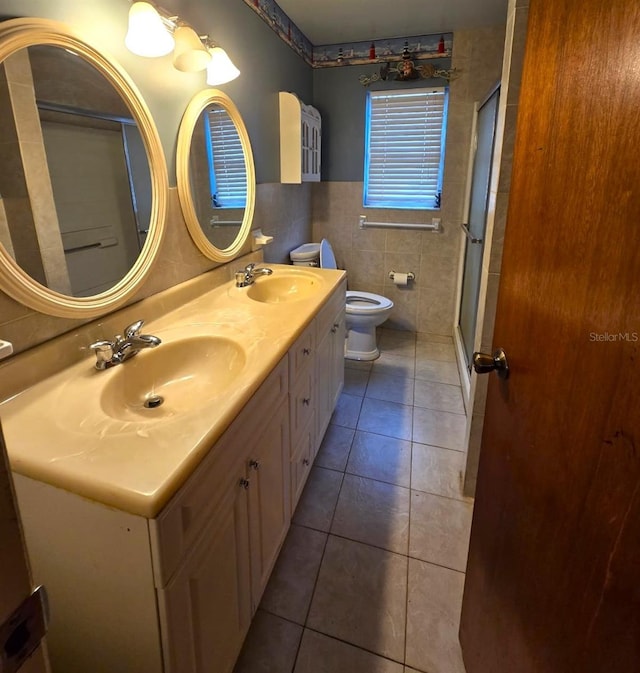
[(438, 396), (436, 470), (355, 381), (428, 350), (288, 593), (347, 411), (270, 647), (433, 618), (361, 597), (390, 388), (439, 428), (362, 365), (322, 654), (335, 447), (440, 529), (373, 512), (318, 499), (394, 365), (386, 418), (438, 371), (396, 342), (382, 458), (421, 337)]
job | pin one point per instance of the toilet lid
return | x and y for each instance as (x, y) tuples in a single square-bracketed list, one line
[(327, 258), (360, 303)]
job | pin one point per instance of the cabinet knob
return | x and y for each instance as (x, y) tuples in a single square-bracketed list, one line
[(305, 461), (306, 351), (254, 464), (244, 483), (306, 401)]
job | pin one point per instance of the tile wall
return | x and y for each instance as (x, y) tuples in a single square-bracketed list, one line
[(428, 305), (282, 210)]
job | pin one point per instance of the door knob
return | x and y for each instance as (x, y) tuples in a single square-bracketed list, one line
[(483, 363)]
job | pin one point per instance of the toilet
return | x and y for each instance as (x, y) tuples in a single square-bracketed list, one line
[(364, 310)]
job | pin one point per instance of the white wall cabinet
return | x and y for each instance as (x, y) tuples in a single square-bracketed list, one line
[(176, 594), (300, 140)]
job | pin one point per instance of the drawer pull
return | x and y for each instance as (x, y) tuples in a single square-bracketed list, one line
[(306, 351), (305, 461), (244, 483), (306, 401), (254, 464)]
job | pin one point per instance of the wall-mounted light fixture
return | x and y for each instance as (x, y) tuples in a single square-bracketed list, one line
[(154, 32)]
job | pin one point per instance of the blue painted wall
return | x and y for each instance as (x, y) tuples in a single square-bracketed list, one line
[(266, 63), (340, 98)]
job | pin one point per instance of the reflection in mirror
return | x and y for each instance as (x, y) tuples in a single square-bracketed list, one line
[(75, 185), (218, 176)]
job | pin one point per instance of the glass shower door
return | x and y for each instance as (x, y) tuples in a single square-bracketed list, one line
[(475, 226)]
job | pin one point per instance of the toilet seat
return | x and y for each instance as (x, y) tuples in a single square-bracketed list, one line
[(363, 303), (364, 310)]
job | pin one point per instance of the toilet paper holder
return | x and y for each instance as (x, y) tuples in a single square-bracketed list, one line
[(410, 275)]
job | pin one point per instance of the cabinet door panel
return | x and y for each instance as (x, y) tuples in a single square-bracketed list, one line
[(269, 499), (301, 462), (205, 610), (337, 358), (323, 388)]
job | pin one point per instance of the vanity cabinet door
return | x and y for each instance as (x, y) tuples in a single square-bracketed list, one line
[(269, 499), (329, 371), (301, 460), (205, 610), (337, 357)]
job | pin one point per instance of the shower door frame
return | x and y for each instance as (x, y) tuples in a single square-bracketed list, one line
[(465, 375)]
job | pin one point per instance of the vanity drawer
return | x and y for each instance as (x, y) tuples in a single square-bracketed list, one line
[(302, 353), (326, 318), (175, 529)]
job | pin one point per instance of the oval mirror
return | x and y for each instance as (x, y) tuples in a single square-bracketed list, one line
[(216, 175), (83, 180)]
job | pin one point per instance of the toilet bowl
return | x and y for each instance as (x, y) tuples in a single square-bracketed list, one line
[(364, 310)]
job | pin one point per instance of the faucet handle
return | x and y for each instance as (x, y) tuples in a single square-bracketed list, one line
[(104, 352), (249, 268), (133, 330)]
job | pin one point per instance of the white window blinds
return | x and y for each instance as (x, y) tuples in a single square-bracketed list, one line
[(226, 161), (404, 154)]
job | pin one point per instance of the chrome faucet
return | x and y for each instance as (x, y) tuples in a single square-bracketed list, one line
[(111, 353), (249, 274)]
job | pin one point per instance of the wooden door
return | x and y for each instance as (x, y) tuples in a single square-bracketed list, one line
[(553, 578), (15, 579)]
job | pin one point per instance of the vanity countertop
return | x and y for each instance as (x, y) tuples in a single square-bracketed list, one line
[(76, 431)]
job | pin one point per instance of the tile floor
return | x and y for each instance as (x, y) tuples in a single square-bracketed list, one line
[(371, 574)]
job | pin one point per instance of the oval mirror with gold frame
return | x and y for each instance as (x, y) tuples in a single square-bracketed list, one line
[(216, 175), (39, 216)]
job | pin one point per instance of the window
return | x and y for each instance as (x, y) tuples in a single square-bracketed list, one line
[(404, 153), (227, 172)]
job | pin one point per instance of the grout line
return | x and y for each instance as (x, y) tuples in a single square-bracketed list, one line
[(358, 647)]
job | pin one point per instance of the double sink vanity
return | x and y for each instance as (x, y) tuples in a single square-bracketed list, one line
[(155, 490), (155, 528)]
